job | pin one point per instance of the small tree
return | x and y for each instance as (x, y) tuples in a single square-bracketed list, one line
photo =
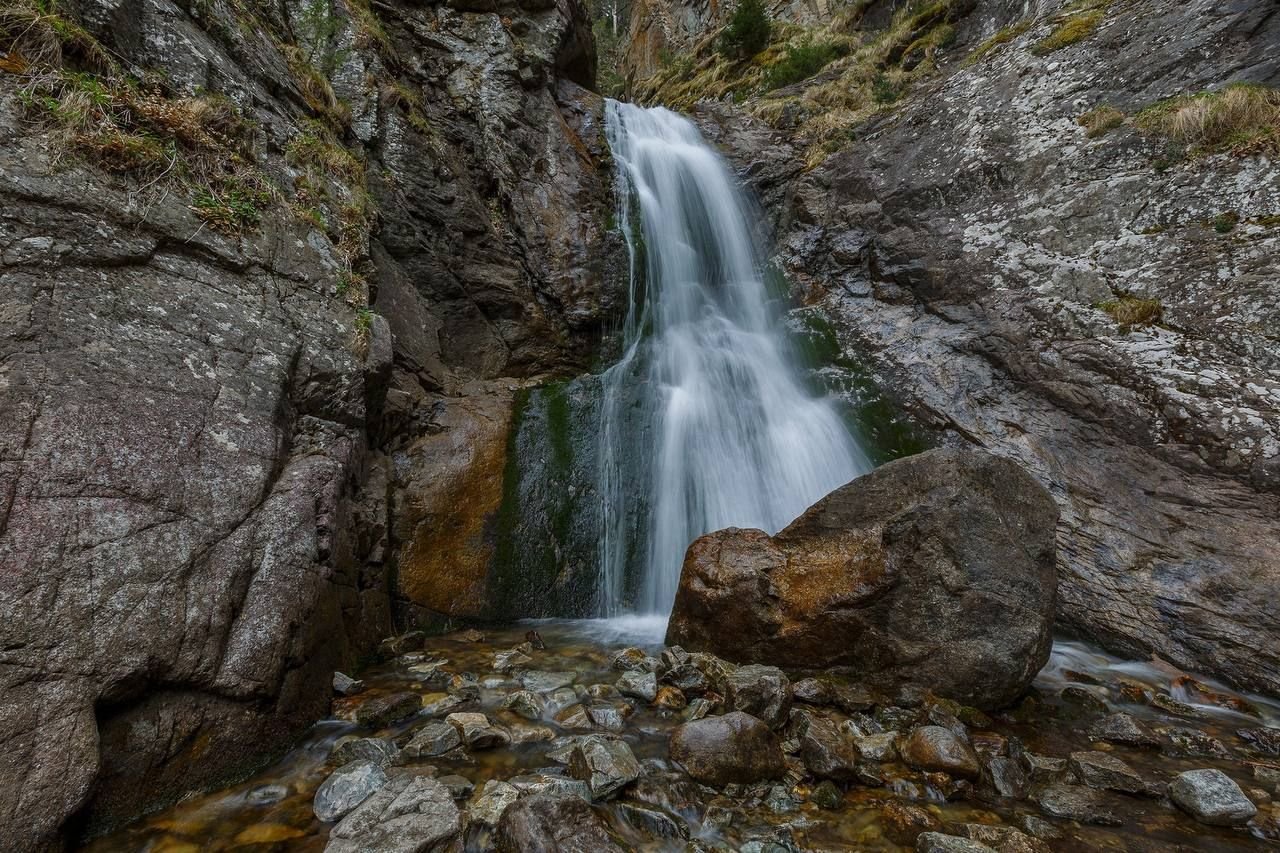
[(748, 30)]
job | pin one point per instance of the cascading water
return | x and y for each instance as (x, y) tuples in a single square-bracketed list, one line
[(706, 421)]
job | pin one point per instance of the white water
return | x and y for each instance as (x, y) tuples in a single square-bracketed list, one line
[(706, 421)]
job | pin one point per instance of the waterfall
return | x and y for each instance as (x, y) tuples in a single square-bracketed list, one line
[(706, 421)]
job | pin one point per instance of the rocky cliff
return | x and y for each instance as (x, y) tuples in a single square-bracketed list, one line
[(1054, 229), (257, 260)]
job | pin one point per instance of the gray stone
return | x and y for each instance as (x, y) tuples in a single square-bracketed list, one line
[(478, 731), (559, 822), (409, 815), (495, 798), (546, 682), (346, 788), (935, 748), (761, 691), (266, 795), (435, 738), (525, 703), (611, 718), (638, 684), (1104, 770), (936, 842), (605, 764), (441, 704), (345, 685), (877, 747), (1212, 797), (1124, 729), (827, 752), (379, 711), (381, 751), (1076, 802)]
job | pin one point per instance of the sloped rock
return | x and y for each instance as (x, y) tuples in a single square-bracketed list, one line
[(605, 764), (1104, 770), (478, 731), (379, 711), (1076, 802), (639, 684), (435, 738), (1212, 797), (1124, 729), (411, 814), (828, 752), (856, 585), (381, 751), (936, 842), (346, 788)]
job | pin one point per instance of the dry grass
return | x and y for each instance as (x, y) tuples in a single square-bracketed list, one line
[(36, 36), (1074, 29), (1099, 120), (1241, 119), (1134, 311), (1002, 37)]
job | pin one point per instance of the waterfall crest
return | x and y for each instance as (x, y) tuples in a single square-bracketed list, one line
[(706, 421)]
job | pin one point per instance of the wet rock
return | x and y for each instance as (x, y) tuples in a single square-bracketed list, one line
[(936, 842), (1076, 802), (1104, 770), (605, 764), (1083, 701), (1200, 692), (877, 747), (435, 738), (464, 685), (1188, 741), (1009, 778), (1038, 828), (380, 711), (1173, 706), (1004, 839), (546, 682), (670, 698), (575, 717), (396, 646), (611, 718), (459, 787), (513, 658), (381, 751), (762, 691), (1043, 769), (780, 801), (495, 798), (904, 823), (827, 752), (936, 748), (346, 788), (546, 782), (735, 747), (440, 704), (525, 733), (345, 685), (410, 814), (1264, 740), (827, 795), (697, 709), (1124, 729), (560, 699), (478, 731), (603, 692), (634, 660), (525, 703), (431, 674), (1268, 778), (639, 684), (559, 822), (267, 795), (977, 622), (1212, 797), (652, 822)]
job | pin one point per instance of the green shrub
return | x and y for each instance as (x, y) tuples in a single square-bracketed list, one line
[(747, 32), (1224, 223), (883, 91), (800, 62)]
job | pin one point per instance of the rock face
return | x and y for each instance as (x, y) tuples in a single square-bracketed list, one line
[(208, 421), (936, 570), (934, 245)]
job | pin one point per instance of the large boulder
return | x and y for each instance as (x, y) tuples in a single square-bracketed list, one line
[(735, 747), (936, 570)]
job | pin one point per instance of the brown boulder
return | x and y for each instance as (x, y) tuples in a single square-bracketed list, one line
[(935, 748), (735, 747), (936, 570)]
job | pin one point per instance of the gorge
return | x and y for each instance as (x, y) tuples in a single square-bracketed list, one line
[(358, 358)]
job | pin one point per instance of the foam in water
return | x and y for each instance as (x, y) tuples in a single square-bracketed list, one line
[(706, 421)]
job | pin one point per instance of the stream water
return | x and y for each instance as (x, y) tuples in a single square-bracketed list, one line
[(706, 422)]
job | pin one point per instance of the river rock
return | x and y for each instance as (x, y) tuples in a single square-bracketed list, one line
[(826, 751), (495, 798), (936, 748), (1004, 839), (1104, 770), (478, 731), (525, 703), (638, 684), (936, 570), (1076, 802), (936, 842), (611, 718), (735, 747), (1124, 729), (409, 815), (435, 738), (670, 698), (1212, 797), (546, 682), (1265, 740), (345, 685), (554, 822), (346, 788), (605, 764), (761, 691), (380, 711), (381, 751), (877, 747)]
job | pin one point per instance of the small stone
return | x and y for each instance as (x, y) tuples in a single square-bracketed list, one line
[(546, 682), (1008, 777), (826, 751), (440, 704), (432, 674), (780, 801), (1043, 768), (611, 718), (552, 783), (1265, 740), (936, 748), (396, 646), (1080, 677), (1038, 827), (904, 823), (1184, 740), (878, 747), (345, 685), (1173, 706), (513, 658), (470, 635), (495, 797), (1133, 691), (459, 787), (478, 731), (605, 764), (603, 692), (409, 813), (669, 698), (827, 795), (346, 788), (558, 700), (435, 738), (1076, 802), (698, 709), (1124, 729), (652, 822), (464, 685), (634, 660), (764, 692), (381, 751), (1212, 797), (1103, 770), (525, 703), (936, 842), (383, 710), (1005, 839), (575, 717), (1268, 778), (638, 684), (521, 732), (554, 821), (1083, 700)]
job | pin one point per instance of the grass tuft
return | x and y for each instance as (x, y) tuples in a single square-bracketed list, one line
[(1100, 119), (992, 44), (1075, 28), (1241, 119), (1134, 311)]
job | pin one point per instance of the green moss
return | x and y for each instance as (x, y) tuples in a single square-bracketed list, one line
[(1224, 223), (992, 44), (1074, 29)]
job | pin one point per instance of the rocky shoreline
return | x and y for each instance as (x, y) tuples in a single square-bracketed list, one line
[(560, 735)]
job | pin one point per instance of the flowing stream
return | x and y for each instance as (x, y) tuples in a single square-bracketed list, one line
[(706, 420)]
